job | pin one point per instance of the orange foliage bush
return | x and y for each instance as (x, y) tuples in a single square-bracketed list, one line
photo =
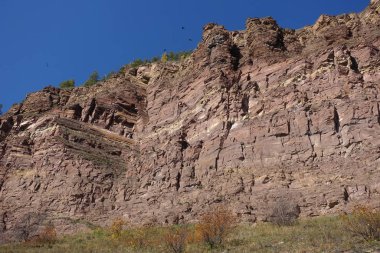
[(364, 222), (47, 236), (176, 239), (117, 227), (214, 226)]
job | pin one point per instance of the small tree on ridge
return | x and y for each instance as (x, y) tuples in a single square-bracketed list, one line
[(69, 84), (94, 77)]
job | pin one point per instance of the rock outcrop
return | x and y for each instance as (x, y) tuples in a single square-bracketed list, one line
[(253, 117)]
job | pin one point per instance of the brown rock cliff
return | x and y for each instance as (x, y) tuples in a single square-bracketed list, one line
[(251, 117)]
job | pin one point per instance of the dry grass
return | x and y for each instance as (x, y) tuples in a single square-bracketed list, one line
[(284, 213), (117, 227), (176, 239), (312, 235), (364, 222), (323, 234)]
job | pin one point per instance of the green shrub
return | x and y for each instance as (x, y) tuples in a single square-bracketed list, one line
[(164, 57), (171, 56), (136, 63), (123, 69), (93, 79), (68, 84), (179, 56), (155, 59), (109, 75)]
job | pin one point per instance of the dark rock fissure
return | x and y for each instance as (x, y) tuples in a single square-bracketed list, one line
[(267, 81), (279, 43), (183, 146), (5, 216), (242, 157), (279, 135), (236, 56), (90, 110), (245, 104), (354, 64), (110, 121), (178, 181), (308, 132), (331, 57), (226, 125), (336, 121), (345, 195), (129, 108), (6, 126), (77, 111), (3, 148)]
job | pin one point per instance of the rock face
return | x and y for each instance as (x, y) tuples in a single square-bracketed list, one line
[(252, 118)]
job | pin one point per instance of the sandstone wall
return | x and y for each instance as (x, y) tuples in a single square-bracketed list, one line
[(252, 118)]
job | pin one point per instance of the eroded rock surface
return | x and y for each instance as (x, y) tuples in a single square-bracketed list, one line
[(251, 118)]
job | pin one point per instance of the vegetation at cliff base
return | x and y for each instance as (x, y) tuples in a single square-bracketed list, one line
[(364, 223), (320, 234)]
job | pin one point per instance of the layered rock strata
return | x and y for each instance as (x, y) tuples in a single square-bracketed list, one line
[(251, 118)]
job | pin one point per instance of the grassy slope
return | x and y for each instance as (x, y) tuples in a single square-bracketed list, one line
[(324, 234)]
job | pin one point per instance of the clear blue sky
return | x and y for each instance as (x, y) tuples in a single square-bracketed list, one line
[(44, 42)]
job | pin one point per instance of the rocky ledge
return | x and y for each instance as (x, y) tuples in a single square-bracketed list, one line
[(251, 118)]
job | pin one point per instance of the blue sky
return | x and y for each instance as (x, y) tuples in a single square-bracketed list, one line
[(44, 42)]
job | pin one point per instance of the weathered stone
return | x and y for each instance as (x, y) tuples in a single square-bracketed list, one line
[(250, 119)]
